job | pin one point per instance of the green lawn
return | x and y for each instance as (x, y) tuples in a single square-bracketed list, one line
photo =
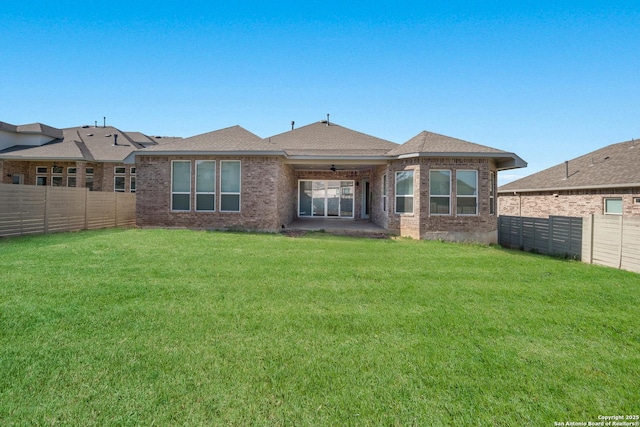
[(177, 327)]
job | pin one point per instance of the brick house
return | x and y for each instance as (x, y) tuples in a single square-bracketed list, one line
[(430, 187), (605, 181), (84, 156)]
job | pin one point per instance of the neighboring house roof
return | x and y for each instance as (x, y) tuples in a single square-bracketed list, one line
[(97, 144), (429, 144), (614, 166), (33, 128)]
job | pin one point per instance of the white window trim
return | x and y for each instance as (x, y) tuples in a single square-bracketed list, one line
[(440, 195), (492, 193), (384, 192), (74, 177), (115, 170), (46, 170), (20, 178), (132, 188), (604, 205), (75, 170), (132, 170), (56, 176), (86, 171), (57, 173), (215, 172), (180, 192), (124, 182), (467, 196), (222, 193), (395, 200)]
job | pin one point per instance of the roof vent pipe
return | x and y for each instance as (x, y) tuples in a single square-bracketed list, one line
[(115, 139), (566, 169), (95, 124), (292, 124), (327, 119), (104, 122)]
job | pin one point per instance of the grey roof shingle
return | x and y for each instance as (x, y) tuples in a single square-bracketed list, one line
[(429, 142), (231, 139), (615, 165), (321, 138)]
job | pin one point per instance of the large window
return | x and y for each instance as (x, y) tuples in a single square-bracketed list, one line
[(467, 192), (230, 186), (613, 206), (88, 179), (404, 192), (119, 184), (180, 185), (384, 192), (205, 185), (440, 192)]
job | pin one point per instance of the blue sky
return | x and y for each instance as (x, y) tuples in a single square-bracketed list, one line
[(547, 80)]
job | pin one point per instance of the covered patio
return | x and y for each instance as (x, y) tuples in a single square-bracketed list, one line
[(338, 226)]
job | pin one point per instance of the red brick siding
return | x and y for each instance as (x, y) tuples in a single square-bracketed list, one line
[(258, 195), (577, 203)]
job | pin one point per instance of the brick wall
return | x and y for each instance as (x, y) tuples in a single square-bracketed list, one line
[(421, 224), (577, 203), (258, 199)]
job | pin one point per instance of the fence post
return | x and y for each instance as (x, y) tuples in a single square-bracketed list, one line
[(621, 242)]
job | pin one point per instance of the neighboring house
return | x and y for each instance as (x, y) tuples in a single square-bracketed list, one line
[(430, 187), (85, 156), (605, 181)]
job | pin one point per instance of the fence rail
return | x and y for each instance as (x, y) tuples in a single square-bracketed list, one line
[(27, 209), (556, 235)]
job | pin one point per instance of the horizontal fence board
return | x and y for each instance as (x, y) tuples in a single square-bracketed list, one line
[(551, 236), (614, 241), (28, 209)]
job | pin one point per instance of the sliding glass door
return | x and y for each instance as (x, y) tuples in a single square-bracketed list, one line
[(325, 198)]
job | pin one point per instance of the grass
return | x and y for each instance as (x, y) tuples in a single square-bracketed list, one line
[(176, 327)]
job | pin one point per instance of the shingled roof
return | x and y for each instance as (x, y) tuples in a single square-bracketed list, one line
[(429, 144), (324, 138), (614, 166), (234, 139)]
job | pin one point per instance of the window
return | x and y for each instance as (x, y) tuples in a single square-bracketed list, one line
[(613, 206), (56, 170), (180, 185), (492, 193), (132, 170), (230, 186), (41, 180), (404, 192), (118, 184), (467, 192), (41, 169), (56, 181), (120, 170), (384, 192), (71, 178), (636, 200), (132, 184), (17, 179), (205, 185), (440, 192), (88, 179)]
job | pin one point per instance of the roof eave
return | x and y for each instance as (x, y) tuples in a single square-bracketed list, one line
[(578, 187), (504, 160)]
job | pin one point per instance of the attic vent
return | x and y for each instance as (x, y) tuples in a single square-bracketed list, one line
[(108, 135), (89, 134), (157, 137), (607, 158), (85, 126)]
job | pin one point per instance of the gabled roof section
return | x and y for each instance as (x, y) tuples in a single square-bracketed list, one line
[(614, 166), (324, 138), (429, 144), (234, 139), (40, 129)]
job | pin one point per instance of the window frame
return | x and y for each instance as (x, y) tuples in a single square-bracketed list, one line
[(132, 184), (213, 193), (229, 193), (604, 205), (42, 170), (466, 196), (448, 196), (173, 162), (384, 192), (55, 169), (115, 184), (115, 170), (412, 195), (492, 192)]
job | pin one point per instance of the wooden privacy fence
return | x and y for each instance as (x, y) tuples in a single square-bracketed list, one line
[(27, 209), (556, 235), (613, 241)]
